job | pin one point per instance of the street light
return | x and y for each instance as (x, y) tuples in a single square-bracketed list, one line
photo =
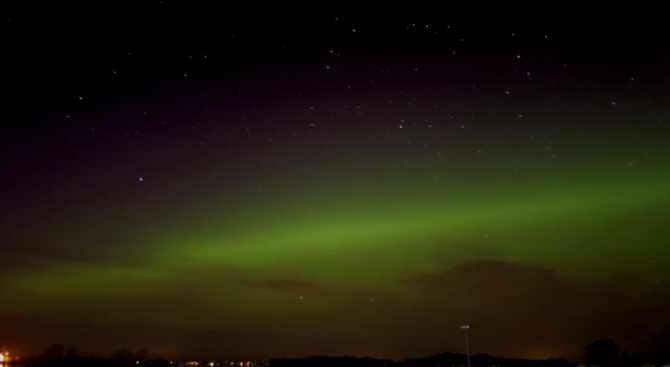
[(465, 328)]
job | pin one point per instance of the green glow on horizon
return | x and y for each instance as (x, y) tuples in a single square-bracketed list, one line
[(341, 233)]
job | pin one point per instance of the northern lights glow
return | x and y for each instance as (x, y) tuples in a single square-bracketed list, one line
[(367, 208), (339, 245)]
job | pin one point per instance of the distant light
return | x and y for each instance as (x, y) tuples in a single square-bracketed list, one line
[(466, 327), (141, 179)]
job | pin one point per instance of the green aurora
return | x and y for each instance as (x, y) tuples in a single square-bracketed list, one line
[(343, 241), (315, 247)]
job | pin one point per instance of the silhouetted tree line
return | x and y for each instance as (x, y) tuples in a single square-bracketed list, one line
[(654, 351), (452, 359), (444, 359), (57, 356), (331, 362)]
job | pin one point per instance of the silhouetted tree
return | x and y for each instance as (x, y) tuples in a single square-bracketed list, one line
[(161, 363), (601, 353), (72, 353), (624, 359), (656, 349), (634, 359), (122, 355), (54, 352), (142, 355)]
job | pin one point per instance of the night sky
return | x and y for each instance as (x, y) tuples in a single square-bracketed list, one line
[(288, 180)]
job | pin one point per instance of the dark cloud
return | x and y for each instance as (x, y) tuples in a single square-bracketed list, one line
[(496, 281), (530, 301), (301, 287), (290, 285), (517, 308), (27, 255)]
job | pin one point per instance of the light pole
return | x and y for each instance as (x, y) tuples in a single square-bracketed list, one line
[(465, 328)]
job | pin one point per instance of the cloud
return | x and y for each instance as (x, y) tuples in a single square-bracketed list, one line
[(528, 301), (290, 285), (501, 282), (28, 256), (302, 287)]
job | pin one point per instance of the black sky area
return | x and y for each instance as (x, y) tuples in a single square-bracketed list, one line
[(61, 49)]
